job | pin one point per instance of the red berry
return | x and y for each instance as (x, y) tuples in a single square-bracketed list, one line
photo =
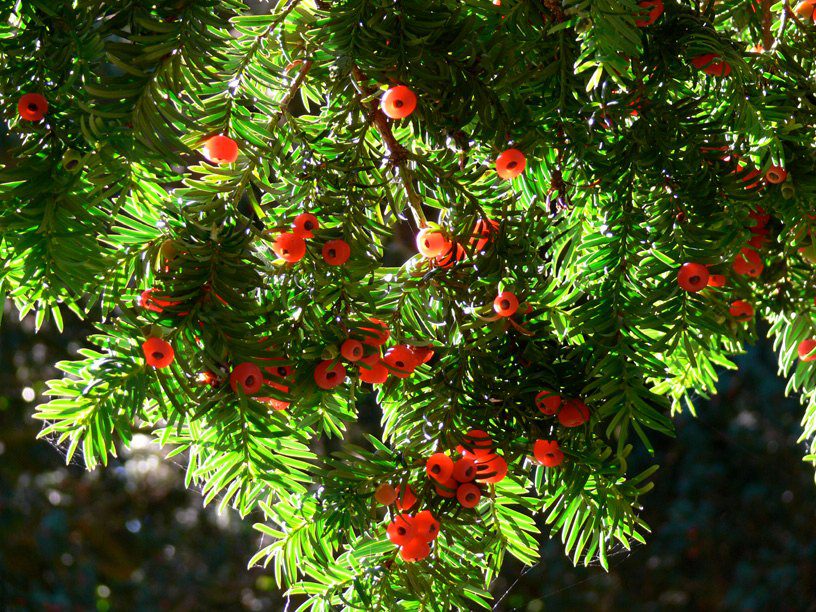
[(304, 225), (221, 150), (506, 304), (398, 102), (422, 354), (376, 335), (158, 353), (548, 402), (401, 530), (776, 175), (373, 373), (548, 453), (415, 550), (806, 9), (805, 348), (741, 310), (248, 376), (464, 469), (426, 527), (400, 361), (278, 371), (274, 404), (716, 280), (432, 243), (385, 494), (477, 440), (149, 301), (468, 495), (650, 11), (748, 262), (454, 254), (692, 277), (483, 233), (573, 413), (329, 373), (439, 467), (447, 488), (32, 107), (289, 247), (406, 499), (352, 349), (493, 470), (711, 64), (336, 252), (510, 164)]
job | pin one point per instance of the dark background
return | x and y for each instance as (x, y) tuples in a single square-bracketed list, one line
[(733, 514)]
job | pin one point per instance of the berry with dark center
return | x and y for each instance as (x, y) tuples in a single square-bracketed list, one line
[(468, 495), (464, 469), (352, 349), (692, 277), (400, 361), (432, 243), (506, 304), (748, 263), (398, 102), (510, 164), (426, 527), (304, 225), (248, 377), (401, 530), (336, 252), (289, 247), (548, 453), (32, 107), (776, 175), (548, 402), (158, 353), (439, 467), (329, 374)]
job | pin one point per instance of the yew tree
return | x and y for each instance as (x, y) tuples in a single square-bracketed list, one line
[(606, 196)]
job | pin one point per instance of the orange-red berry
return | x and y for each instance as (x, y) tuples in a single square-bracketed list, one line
[(32, 107), (221, 149), (548, 402), (650, 11), (741, 310), (439, 467), (692, 277), (248, 377), (401, 530), (274, 404), (377, 334), (464, 469), (385, 494), (454, 254), (426, 527), (405, 499), (716, 280), (423, 354), (150, 301), (711, 64), (352, 349), (329, 373), (415, 550), (158, 353), (776, 175), (805, 10), (483, 233), (806, 348), (398, 102), (510, 164), (573, 413), (373, 373), (468, 495), (548, 453), (447, 488), (304, 225), (336, 252), (432, 243), (289, 247), (506, 304), (748, 262), (477, 441), (400, 361), (492, 470)]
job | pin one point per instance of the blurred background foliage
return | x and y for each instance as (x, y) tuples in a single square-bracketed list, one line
[(733, 514)]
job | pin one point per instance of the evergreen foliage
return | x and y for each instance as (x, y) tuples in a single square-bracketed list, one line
[(640, 157)]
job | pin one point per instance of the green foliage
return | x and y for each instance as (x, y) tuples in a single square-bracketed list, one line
[(590, 238)]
